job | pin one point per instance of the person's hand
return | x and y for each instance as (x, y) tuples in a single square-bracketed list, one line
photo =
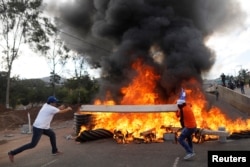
[(61, 107), (69, 108)]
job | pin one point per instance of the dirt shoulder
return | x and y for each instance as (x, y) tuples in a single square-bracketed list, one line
[(14, 119)]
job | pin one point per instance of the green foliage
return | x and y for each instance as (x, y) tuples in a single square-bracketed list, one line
[(31, 91), (28, 91), (3, 81), (22, 22), (54, 78), (82, 89), (24, 101), (25, 20), (242, 75)]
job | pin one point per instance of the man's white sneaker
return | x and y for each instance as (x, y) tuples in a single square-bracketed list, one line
[(188, 156)]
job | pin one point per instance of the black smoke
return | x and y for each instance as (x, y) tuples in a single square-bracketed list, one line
[(115, 33)]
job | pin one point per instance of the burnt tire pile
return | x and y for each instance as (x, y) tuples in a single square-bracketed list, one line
[(240, 135), (86, 120), (90, 135)]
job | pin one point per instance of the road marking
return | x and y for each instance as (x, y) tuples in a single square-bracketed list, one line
[(176, 162), (47, 164)]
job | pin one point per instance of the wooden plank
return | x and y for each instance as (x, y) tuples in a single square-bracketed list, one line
[(130, 108), (147, 132), (214, 132)]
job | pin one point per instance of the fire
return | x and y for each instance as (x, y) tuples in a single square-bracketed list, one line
[(142, 91), (135, 122), (107, 101)]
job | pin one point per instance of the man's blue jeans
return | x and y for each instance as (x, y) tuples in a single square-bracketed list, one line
[(37, 133), (185, 139)]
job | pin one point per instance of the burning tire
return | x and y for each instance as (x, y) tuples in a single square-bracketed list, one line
[(83, 119), (240, 135), (90, 135)]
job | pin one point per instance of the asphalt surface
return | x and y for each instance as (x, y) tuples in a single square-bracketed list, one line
[(107, 153), (246, 90)]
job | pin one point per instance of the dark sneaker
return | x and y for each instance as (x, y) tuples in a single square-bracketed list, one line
[(11, 157), (57, 153)]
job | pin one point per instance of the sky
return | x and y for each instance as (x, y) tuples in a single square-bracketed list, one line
[(232, 54), (232, 50)]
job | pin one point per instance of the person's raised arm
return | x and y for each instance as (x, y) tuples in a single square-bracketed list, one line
[(63, 109)]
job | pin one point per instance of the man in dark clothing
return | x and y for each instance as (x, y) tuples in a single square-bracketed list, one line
[(242, 86), (217, 94), (223, 79)]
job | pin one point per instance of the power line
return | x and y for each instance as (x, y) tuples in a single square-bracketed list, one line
[(96, 46), (80, 39)]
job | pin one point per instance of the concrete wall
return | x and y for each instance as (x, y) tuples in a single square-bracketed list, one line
[(239, 101)]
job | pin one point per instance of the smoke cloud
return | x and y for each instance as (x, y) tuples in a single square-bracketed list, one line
[(168, 35)]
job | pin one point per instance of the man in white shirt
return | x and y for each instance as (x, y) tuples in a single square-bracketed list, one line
[(41, 126)]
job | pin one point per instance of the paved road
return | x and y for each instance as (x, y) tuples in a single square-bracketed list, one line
[(107, 153), (246, 89)]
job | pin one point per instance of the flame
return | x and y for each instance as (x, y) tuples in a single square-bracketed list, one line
[(142, 91), (107, 101)]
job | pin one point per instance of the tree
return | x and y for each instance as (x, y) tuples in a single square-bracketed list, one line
[(79, 65), (58, 54), (22, 23), (27, 91), (3, 80), (82, 89), (54, 79), (243, 74)]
